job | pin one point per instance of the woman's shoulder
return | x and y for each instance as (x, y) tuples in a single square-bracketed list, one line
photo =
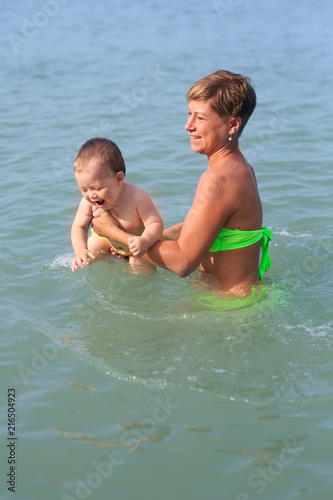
[(231, 169), (230, 180)]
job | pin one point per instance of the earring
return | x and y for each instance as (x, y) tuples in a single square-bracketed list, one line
[(230, 137)]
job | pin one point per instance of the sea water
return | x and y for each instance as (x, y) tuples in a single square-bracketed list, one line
[(130, 386)]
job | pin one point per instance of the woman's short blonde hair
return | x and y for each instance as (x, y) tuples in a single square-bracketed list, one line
[(230, 95)]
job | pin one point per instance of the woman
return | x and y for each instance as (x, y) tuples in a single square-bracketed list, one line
[(223, 229)]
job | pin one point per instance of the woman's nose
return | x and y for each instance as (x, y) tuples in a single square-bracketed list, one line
[(189, 124)]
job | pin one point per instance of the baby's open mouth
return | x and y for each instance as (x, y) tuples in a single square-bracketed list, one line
[(100, 203)]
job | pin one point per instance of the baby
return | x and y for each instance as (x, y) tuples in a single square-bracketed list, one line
[(99, 170)]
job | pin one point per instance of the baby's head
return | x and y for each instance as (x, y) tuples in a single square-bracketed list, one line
[(99, 152)]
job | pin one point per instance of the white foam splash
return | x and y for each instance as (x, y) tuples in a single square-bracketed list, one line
[(284, 232), (62, 261)]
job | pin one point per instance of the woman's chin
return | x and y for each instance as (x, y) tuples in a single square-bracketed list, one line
[(195, 148)]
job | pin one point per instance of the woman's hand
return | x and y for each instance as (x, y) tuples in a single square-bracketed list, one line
[(106, 225), (103, 222)]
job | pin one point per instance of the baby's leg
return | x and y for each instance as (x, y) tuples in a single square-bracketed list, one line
[(100, 249), (141, 265)]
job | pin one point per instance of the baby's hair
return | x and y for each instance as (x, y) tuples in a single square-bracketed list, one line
[(230, 94), (102, 152)]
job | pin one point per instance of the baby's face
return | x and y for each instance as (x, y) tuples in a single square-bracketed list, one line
[(100, 186)]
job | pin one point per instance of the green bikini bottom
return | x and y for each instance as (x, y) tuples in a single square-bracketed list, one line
[(229, 239)]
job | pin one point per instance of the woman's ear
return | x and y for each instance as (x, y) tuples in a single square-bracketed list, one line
[(235, 124)]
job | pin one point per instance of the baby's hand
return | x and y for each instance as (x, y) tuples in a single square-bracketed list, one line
[(82, 259), (137, 245)]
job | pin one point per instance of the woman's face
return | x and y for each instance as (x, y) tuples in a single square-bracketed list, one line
[(208, 131)]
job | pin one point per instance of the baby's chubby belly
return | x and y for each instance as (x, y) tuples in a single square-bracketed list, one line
[(131, 225)]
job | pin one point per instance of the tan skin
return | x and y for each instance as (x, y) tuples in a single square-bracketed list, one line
[(227, 196), (105, 191)]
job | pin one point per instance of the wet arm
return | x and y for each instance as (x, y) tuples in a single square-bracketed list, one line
[(106, 225), (172, 233), (199, 230), (79, 235), (80, 227)]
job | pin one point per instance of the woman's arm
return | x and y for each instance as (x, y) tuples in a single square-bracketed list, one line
[(172, 233), (213, 204), (106, 225)]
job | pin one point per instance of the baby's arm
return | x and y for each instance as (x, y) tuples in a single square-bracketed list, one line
[(152, 222), (79, 235)]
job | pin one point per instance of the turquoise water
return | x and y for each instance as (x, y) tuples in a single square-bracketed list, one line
[(142, 387)]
